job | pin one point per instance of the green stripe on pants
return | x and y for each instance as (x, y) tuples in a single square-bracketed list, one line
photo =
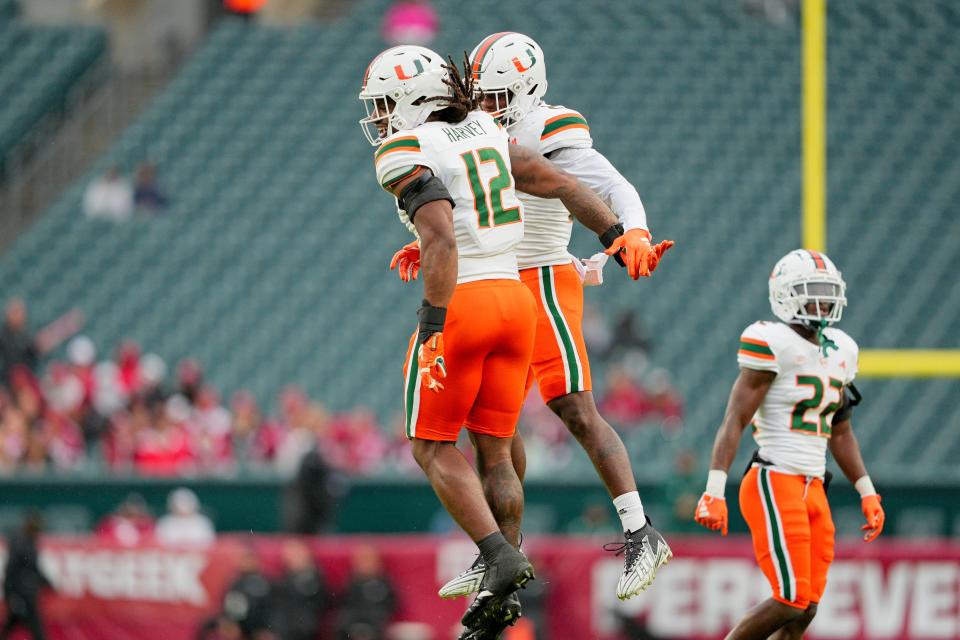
[(411, 390), (565, 338), (777, 545)]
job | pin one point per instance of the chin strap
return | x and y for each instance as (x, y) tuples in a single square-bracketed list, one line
[(825, 343)]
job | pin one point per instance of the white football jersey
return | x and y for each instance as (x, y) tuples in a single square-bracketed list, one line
[(547, 223), (794, 420), (472, 159)]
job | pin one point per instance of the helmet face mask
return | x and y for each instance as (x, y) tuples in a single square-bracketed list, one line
[(378, 125), (807, 289), (397, 91), (510, 67), (501, 104), (819, 294)]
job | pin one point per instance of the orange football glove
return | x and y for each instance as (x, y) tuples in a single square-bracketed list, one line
[(658, 250), (875, 517), (431, 364), (712, 513), (640, 257), (407, 261)]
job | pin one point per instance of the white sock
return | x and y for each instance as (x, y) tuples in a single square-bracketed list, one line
[(630, 510)]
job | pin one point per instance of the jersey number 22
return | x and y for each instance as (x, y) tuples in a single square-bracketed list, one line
[(821, 425)]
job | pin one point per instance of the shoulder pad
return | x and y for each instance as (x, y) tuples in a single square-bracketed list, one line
[(564, 121), (399, 157), (756, 350), (843, 339), (849, 350), (564, 128), (399, 143)]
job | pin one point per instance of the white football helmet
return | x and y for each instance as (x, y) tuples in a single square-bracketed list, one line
[(801, 277), (396, 88), (510, 67)]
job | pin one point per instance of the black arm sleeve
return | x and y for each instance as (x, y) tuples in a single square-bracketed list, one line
[(607, 238), (424, 189), (432, 320), (851, 398)]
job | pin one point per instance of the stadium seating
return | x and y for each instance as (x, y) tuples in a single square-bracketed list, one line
[(8, 10), (38, 66), (271, 264)]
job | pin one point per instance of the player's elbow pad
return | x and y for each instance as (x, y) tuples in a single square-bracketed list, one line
[(424, 189)]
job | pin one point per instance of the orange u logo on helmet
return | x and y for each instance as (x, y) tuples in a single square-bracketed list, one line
[(519, 65), (403, 76)]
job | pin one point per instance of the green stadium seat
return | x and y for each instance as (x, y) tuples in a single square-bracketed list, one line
[(38, 67), (271, 264)]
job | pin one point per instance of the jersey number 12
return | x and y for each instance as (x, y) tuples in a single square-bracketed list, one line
[(487, 199)]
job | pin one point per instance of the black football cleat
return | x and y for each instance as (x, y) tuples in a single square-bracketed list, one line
[(508, 572), (493, 622)]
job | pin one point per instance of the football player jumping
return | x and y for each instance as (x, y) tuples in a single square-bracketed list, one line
[(796, 390), (452, 171), (510, 73)]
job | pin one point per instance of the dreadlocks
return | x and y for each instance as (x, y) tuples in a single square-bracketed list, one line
[(463, 100)]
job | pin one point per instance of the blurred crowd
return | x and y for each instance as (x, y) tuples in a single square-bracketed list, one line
[(128, 414), (115, 197), (296, 602), (289, 600), (184, 524)]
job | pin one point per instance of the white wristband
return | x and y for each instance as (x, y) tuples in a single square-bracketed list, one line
[(716, 483), (864, 487)]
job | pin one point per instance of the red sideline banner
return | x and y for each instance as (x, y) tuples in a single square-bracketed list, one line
[(887, 589)]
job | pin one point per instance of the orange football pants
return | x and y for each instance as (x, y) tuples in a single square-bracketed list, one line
[(488, 341), (559, 363), (793, 533)]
